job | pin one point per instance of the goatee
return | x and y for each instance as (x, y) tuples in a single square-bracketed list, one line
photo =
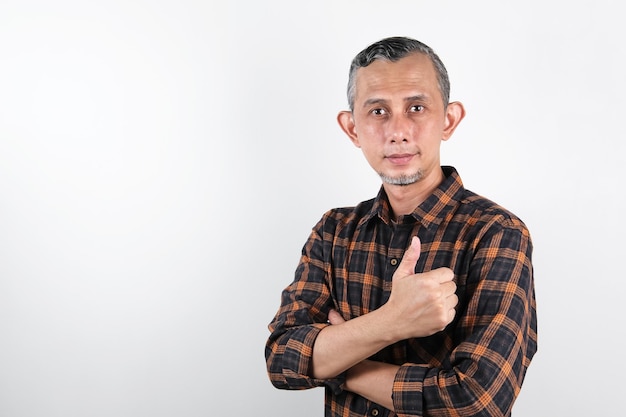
[(401, 179)]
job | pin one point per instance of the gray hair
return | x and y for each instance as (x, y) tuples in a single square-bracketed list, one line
[(393, 49)]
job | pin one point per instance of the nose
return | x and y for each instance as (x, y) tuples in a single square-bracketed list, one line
[(399, 128)]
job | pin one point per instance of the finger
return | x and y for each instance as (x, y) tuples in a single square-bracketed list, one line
[(334, 317), (444, 275), (410, 258), (448, 288), (451, 315), (452, 301)]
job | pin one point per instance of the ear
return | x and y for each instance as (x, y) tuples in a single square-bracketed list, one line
[(454, 114), (346, 122)]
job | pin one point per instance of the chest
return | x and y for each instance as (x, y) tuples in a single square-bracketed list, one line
[(363, 263)]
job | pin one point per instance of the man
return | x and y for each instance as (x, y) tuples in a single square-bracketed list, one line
[(420, 301)]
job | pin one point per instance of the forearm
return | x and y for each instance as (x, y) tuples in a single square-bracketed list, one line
[(341, 346), (373, 380)]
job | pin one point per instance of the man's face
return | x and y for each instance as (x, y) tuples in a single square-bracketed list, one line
[(399, 118)]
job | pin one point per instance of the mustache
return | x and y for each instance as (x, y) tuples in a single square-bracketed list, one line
[(398, 153)]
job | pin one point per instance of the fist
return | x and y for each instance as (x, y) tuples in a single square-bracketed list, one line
[(422, 304)]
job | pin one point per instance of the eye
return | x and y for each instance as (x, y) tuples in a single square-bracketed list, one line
[(379, 112), (418, 108)]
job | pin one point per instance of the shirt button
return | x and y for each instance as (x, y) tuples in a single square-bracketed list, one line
[(394, 262), (375, 412)]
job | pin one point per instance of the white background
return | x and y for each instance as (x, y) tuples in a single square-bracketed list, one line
[(162, 163)]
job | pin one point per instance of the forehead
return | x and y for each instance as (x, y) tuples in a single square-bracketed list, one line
[(412, 75)]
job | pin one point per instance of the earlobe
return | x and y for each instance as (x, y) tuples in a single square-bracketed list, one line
[(346, 122), (454, 114)]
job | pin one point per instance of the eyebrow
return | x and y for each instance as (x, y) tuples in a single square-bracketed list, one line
[(372, 101)]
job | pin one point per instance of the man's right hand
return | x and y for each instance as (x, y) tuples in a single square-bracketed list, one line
[(422, 304), (419, 305)]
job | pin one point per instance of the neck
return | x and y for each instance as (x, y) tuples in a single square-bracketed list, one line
[(405, 198)]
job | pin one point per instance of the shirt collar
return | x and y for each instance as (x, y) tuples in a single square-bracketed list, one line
[(432, 210)]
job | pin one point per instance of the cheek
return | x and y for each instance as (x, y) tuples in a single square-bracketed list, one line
[(373, 154), (369, 134)]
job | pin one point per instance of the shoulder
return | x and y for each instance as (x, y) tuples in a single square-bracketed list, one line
[(487, 208), (350, 214), (349, 217), (489, 216)]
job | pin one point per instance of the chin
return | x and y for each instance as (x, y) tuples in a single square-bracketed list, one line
[(402, 179)]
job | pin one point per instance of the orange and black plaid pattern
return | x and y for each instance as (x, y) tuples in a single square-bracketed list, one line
[(477, 364)]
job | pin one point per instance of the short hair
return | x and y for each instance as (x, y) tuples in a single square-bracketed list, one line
[(393, 49)]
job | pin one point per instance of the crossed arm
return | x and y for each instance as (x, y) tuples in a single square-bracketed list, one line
[(419, 305), (488, 351)]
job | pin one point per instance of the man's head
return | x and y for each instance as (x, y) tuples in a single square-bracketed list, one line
[(400, 111), (392, 49)]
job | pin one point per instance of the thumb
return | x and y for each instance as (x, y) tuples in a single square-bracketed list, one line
[(410, 258)]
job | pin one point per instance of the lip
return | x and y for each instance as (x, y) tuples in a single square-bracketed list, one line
[(400, 158)]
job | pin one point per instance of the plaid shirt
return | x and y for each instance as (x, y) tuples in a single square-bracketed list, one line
[(477, 364)]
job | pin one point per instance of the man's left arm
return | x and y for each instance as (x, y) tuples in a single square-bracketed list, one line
[(498, 339)]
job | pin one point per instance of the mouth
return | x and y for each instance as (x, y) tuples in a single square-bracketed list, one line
[(400, 158)]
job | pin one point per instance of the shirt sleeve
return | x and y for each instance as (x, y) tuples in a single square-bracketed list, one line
[(303, 313), (494, 339)]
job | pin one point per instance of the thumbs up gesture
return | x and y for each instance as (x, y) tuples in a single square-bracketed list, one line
[(421, 304)]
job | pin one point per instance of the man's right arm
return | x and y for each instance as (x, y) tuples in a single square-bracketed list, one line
[(304, 351), (419, 305)]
